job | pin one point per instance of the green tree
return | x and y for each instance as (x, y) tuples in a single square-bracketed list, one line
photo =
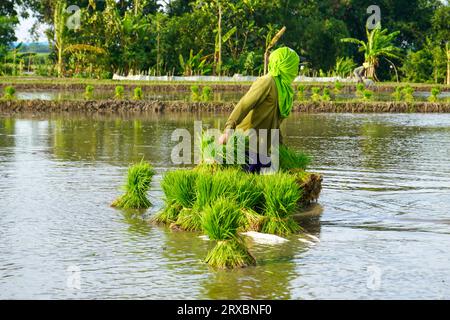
[(379, 44), (8, 22)]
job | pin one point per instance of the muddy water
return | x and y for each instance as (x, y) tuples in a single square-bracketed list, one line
[(383, 219)]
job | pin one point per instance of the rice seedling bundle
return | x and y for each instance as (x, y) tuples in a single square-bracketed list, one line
[(281, 197), (169, 214), (9, 92), (326, 94), (138, 94), (119, 92), (89, 92), (233, 153), (179, 187), (301, 92), (434, 93), (206, 93), (397, 94), (292, 160), (338, 86), (367, 95), (408, 92), (221, 222), (360, 89), (315, 94), (195, 93), (137, 185)]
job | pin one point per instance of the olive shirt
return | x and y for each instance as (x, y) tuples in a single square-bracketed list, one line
[(258, 108)]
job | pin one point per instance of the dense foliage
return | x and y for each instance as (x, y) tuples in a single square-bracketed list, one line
[(230, 36)]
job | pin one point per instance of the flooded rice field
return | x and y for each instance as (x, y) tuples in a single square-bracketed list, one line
[(383, 218), (228, 96)]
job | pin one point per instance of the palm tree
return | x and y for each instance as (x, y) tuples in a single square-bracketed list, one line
[(379, 44)]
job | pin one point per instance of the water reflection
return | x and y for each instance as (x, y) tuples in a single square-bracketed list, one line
[(385, 203)]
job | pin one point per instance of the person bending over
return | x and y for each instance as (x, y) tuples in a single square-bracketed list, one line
[(267, 103)]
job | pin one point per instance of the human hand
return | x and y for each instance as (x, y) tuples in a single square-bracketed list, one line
[(223, 138)]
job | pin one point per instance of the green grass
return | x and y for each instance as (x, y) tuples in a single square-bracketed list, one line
[(138, 182)]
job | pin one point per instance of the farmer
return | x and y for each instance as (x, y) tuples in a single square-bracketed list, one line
[(267, 103), (360, 72)]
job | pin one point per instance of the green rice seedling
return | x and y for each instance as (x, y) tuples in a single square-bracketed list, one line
[(230, 154), (408, 92), (209, 150), (221, 222), (281, 194), (360, 89), (301, 92), (367, 94), (189, 219), (169, 214), (210, 187), (195, 93), (89, 92), (434, 94), (9, 92), (206, 93), (338, 86), (397, 94), (326, 95), (315, 94), (292, 160), (138, 183), (138, 94), (233, 153), (119, 92), (251, 220), (246, 190), (179, 187)]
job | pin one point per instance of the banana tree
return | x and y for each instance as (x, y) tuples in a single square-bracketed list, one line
[(379, 44), (195, 64), (218, 7)]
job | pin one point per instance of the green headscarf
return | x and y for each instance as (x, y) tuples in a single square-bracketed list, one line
[(283, 66)]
